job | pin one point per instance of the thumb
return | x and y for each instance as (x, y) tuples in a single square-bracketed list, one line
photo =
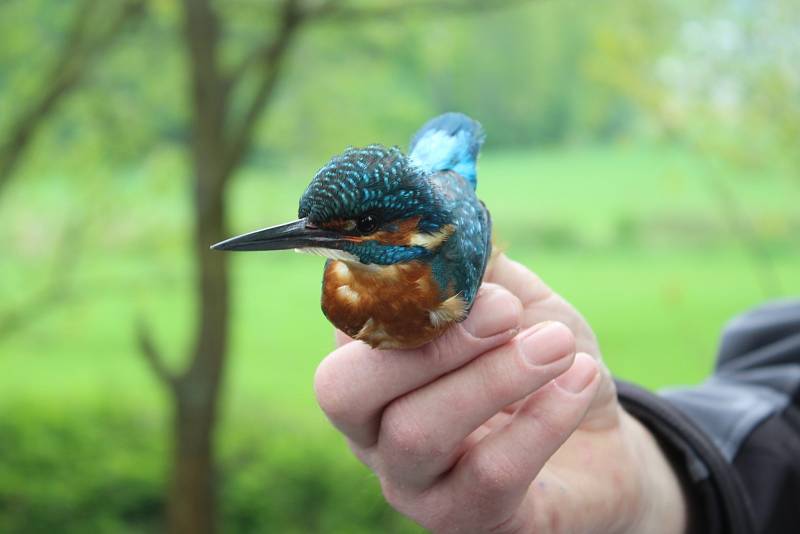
[(604, 411)]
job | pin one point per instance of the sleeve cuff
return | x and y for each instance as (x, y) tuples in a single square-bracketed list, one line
[(717, 500)]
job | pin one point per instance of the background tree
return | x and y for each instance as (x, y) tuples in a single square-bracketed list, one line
[(92, 30), (85, 40), (706, 74)]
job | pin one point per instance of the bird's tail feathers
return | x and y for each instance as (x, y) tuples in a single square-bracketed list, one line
[(448, 142)]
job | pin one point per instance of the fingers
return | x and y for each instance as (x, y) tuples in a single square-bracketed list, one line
[(494, 476), (540, 303), (518, 279), (354, 383), (421, 433)]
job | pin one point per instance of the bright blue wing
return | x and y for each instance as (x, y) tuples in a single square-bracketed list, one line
[(449, 142)]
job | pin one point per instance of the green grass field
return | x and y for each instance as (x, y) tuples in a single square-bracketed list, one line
[(634, 236)]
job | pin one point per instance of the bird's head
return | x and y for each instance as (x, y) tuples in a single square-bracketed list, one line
[(369, 205)]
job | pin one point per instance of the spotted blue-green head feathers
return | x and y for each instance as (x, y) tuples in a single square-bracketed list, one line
[(375, 180), (449, 142), (378, 201)]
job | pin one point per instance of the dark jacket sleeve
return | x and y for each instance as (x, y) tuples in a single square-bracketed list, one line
[(735, 439)]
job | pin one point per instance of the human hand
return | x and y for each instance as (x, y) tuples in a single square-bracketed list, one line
[(507, 423)]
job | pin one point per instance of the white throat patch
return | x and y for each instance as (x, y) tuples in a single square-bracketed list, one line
[(332, 253)]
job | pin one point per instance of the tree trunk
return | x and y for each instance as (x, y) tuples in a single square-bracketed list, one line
[(191, 504), (191, 499), (191, 508)]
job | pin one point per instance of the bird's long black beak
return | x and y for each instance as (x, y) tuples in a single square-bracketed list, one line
[(295, 234)]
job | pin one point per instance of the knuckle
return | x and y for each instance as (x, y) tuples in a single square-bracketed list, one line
[(492, 474), (332, 394), (532, 289), (441, 513), (433, 510), (402, 435), (393, 495), (435, 354), (446, 351), (550, 430), (549, 427)]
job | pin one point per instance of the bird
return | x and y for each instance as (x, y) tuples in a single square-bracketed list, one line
[(407, 240)]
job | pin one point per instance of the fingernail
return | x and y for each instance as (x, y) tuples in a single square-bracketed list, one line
[(580, 375), (546, 343), (498, 312)]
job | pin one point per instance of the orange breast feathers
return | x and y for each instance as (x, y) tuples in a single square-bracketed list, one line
[(388, 307)]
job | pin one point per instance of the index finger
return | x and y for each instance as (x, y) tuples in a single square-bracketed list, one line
[(355, 382), (518, 279), (539, 302)]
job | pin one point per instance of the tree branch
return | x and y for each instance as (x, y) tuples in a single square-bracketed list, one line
[(59, 286), (21, 315), (71, 65), (334, 10), (269, 55), (154, 357), (270, 58), (743, 230)]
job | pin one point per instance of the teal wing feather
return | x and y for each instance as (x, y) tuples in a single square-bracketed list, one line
[(461, 263), (447, 147)]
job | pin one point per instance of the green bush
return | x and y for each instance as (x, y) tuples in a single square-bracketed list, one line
[(86, 469), (299, 484), (79, 470)]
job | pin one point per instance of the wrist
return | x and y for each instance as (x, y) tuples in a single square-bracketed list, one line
[(662, 502)]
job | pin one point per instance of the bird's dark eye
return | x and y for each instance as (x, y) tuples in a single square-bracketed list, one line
[(366, 223)]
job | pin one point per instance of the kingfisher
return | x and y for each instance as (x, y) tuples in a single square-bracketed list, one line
[(405, 236)]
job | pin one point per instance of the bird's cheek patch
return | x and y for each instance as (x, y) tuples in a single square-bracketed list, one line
[(398, 233), (339, 225), (432, 241)]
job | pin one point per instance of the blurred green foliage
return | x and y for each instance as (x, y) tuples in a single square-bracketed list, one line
[(601, 172), (78, 469), (98, 469)]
